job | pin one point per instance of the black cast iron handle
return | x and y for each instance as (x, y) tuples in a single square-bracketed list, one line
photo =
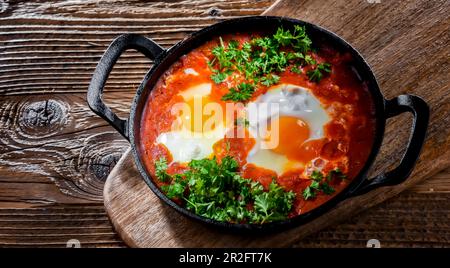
[(419, 108), (103, 69)]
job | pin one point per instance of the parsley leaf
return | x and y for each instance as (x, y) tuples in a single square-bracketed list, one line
[(243, 92), (326, 188), (316, 74), (218, 77), (160, 170), (310, 191), (309, 60), (262, 203), (316, 175), (296, 70), (319, 183), (336, 173), (298, 39), (175, 190), (270, 79)]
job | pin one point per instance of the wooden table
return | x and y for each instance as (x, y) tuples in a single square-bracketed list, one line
[(55, 153)]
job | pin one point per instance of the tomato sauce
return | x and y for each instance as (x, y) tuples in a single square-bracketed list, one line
[(348, 135)]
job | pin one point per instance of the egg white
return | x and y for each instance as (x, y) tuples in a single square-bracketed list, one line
[(190, 71), (288, 100), (186, 145)]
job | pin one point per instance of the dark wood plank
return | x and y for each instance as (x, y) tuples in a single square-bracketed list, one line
[(53, 139), (48, 52), (54, 226), (54, 47), (408, 220)]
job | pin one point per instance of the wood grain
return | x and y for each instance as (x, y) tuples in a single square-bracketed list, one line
[(48, 50), (54, 226), (67, 38)]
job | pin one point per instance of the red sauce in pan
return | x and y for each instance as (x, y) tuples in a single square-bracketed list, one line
[(348, 135)]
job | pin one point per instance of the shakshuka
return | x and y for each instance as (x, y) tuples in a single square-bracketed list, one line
[(257, 127)]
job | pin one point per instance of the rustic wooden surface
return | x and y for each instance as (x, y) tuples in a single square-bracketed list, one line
[(55, 154)]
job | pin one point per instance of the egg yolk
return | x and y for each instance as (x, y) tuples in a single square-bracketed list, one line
[(291, 133), (202, 118)]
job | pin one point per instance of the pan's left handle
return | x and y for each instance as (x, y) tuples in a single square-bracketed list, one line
[(94, 96)]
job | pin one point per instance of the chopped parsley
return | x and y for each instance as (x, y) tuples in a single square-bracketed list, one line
[(270, 79), (261, 59), (216, 191), (326, 188), (311, 191), (336, 173), (296, 70), (316, 175), (160, 170), (298, 39), (243, 92), (218, 77), (309, 60), (317, 74), (319, 183)]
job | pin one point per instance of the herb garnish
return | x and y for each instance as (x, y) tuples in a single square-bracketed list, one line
[(260, 59), (160, 170), (319, 184), (316, 74), (296, 70), (216, 191), (243, 92), (218, 77), (336, 173)]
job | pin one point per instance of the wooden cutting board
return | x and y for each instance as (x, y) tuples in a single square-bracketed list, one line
[(406, 43)]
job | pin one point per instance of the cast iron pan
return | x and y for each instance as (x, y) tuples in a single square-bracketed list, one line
[(163, 59)]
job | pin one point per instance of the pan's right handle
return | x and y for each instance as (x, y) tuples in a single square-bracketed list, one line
[(94, 97), (421, 114)]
